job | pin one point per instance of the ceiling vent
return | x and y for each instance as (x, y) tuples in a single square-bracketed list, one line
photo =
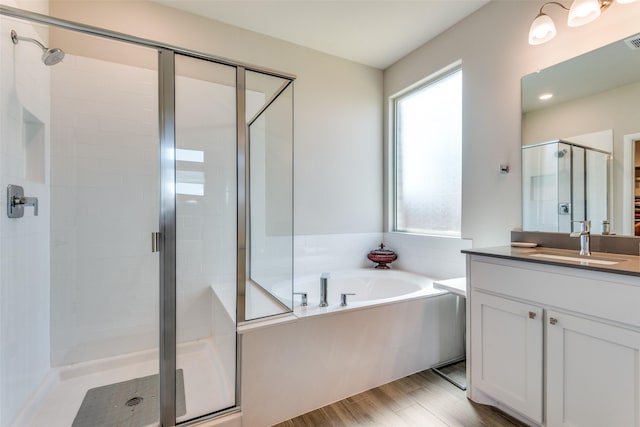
[(633, 42)]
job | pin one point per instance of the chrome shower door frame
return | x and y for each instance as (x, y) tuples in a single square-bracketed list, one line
[(168, 236)]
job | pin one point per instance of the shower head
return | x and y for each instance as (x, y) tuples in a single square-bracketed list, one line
[(560, 154), (50, 56)]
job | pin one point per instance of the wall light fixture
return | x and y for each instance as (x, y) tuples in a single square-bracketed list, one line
[(581, 12)]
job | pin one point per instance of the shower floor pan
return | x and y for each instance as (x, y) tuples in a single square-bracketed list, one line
[(208, 382), (132, 403)]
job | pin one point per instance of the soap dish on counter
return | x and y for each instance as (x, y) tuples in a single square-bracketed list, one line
[(524, 244)]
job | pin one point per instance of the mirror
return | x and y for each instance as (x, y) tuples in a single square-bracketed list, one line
[(594, 104)]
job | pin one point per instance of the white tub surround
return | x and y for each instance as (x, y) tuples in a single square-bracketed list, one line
[(317, 253), (438, 257), (300, 362)]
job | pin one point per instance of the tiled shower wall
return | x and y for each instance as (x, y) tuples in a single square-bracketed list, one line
[(104, 185), (24, 242)]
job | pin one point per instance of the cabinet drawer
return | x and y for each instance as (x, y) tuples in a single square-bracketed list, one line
[(596, 294)]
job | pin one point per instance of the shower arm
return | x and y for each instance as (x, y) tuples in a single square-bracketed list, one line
[(15, 37)]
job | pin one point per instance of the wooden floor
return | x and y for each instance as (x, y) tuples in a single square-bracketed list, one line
[(420, 400)]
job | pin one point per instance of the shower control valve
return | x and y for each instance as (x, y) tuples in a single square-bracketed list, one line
[(16, 201)]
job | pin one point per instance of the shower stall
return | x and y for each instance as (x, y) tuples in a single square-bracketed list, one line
[(153, 214)]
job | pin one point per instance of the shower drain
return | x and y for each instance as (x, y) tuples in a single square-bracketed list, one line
[(134, 401)]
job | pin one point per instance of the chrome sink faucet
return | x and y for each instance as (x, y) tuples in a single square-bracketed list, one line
[(584, 234), (324, 280)]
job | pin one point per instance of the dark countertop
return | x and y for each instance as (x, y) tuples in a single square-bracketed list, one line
[(626, 264)]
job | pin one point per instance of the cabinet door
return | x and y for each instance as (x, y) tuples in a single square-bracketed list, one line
[(593, 373), (506, 352)]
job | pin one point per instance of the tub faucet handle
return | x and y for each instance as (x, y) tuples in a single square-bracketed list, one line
[(305, 300), (343, 299)]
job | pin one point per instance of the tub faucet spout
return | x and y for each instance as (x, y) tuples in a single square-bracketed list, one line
[(324, 280)]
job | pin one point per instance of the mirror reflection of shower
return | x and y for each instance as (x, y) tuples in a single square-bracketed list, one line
[(563, 182), (50, 56), (560, 153)]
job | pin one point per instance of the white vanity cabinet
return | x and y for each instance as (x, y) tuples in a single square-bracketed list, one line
[(559, 345), (593, 377), (506, 338)]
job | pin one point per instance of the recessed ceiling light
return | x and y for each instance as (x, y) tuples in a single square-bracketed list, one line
[(545, 96)]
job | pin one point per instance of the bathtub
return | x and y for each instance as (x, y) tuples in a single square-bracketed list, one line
[(396, 325), (370, 286)]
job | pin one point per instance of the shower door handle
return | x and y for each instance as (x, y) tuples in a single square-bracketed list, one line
[(155, 241)]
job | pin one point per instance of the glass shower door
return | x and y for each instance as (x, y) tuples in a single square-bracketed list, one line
[(104, 208), (542, 208), (597, 182), (79, 283), (206, 213)]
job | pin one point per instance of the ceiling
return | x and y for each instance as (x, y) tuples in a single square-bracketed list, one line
[(372, 32)]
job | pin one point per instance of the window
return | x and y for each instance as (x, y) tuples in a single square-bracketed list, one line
[(427, 150)]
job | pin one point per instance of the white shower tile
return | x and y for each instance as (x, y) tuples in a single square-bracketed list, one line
[(24, 242)]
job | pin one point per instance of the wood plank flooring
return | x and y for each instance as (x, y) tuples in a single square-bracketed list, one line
[(420, 400)]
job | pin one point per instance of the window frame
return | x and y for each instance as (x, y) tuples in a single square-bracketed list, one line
[(392, 164)]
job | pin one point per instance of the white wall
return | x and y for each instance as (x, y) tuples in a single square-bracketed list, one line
[(24, 242), (338, 111), (492, 44)]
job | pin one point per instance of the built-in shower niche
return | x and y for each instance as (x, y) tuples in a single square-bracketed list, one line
[(33, 136)]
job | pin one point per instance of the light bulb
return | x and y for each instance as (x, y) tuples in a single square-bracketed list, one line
[(582, 12), (542, 30)]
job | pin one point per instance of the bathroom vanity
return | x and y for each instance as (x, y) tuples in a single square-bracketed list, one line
[(555, 339)]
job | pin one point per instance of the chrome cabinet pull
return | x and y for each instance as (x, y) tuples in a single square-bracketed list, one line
[(553, 320)]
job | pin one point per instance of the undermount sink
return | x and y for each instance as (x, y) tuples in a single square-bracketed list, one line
[(580, 259)]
